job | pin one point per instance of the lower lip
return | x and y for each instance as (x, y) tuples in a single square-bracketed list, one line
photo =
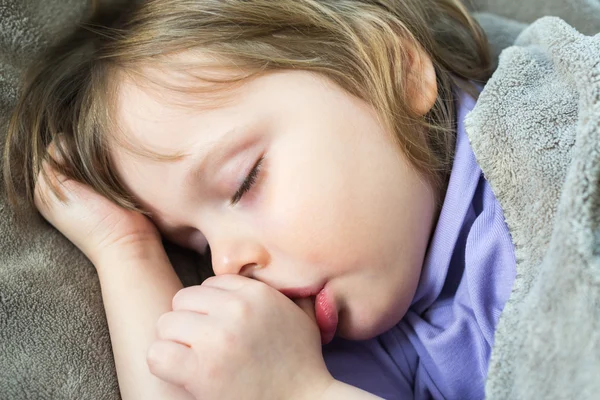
[(326, 314)]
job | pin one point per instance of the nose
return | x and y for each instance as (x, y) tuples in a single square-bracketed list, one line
[(236, 255)]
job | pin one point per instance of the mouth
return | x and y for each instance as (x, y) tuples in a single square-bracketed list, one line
[(326, 312)]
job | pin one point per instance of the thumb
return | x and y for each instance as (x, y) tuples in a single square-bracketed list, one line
[(307, 304)]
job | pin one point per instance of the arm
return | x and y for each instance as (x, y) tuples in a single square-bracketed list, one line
[(138, 286), (136, 278)]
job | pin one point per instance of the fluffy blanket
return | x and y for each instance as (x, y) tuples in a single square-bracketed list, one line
[(535, 132)]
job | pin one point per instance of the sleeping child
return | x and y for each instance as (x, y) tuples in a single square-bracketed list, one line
[(315, 151)]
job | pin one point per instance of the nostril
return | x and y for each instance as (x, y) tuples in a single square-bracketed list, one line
[(248, 269)]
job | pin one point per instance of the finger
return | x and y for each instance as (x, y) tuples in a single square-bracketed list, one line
[(307, 304), (172, 362), (199, 298), (47, 178), (185, 327), (54, 151), (50, 176), (229, 282), (52, 187)]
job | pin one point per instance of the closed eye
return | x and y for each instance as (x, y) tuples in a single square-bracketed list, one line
[(249, 182)]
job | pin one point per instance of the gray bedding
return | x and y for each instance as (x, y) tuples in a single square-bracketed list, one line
[(535, 132)]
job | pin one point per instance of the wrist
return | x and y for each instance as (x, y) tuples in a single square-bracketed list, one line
[(141, 251)]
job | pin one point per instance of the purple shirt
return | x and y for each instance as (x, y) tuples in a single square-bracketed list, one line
[(441, 348)]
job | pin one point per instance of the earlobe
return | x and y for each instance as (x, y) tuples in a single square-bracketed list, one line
[(421, 82)]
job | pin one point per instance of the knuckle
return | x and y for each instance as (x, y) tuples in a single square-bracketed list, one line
[(260, 289), (228, 340), (214, 372), (232, 344), (179, 298), (211, 279), (238, 308), (159, 358), (162, 325), (154, 357), (185, 298)]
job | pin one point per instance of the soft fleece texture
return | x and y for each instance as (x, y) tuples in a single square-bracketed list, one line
[(535, 133)]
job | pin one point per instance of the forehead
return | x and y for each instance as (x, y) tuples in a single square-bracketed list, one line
[(147, 117), (156, 104)]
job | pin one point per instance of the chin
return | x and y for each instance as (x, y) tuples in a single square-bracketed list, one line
[(368, 327)]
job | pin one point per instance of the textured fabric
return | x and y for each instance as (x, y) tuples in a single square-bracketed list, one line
[(442, 346), (54, 341), (536, 133)]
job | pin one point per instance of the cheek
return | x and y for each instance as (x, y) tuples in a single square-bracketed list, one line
[(195, 241), (309, 216)]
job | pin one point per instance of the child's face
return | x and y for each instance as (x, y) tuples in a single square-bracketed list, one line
[(334, 201)]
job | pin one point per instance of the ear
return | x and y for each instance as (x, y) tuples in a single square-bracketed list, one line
[(421, 80)]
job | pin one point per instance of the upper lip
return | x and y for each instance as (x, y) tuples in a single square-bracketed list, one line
[(301, 292)]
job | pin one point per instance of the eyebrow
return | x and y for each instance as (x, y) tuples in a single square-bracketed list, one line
[(216, 153)]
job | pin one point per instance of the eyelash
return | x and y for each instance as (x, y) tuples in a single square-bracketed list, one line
[(249, 182)]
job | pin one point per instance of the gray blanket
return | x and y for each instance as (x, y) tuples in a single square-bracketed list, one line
[(535, 132)]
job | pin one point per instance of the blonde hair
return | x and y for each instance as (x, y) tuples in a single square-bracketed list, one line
[(358, 44)]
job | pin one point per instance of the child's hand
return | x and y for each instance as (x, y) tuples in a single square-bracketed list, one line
[(93, 223), (237, 338)]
